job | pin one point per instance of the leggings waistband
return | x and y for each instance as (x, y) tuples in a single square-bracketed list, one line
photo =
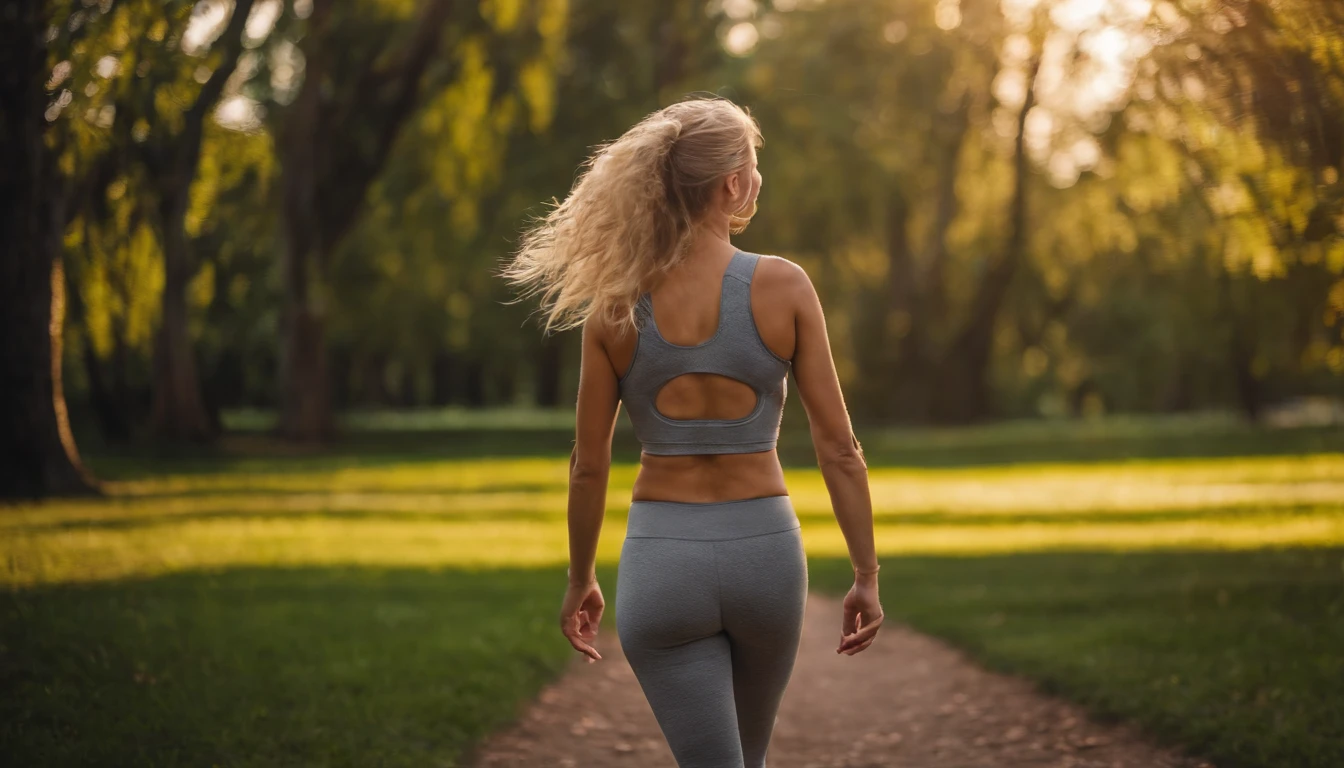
[(711, 521)]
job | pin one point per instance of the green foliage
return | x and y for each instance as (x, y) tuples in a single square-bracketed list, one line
[(1183, 197), (118, 285)]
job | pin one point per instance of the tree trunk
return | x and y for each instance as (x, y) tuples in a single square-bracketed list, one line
[(441, 376), (37, 451), (373, 389), (1241, 354), (342, 377), (318, 214), (898, 338), (501, 384), (952, 129), (882, 338), (550, 366), (305, 407), (1179, 395), (179, 411), (407, 391), (907, 322), (473, 383), (961, 393), (113, 414)]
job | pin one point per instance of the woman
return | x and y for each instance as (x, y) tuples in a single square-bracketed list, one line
[(696, 337)]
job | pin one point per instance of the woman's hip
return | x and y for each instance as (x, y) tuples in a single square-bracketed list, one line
[(711, 521), (688, 570)]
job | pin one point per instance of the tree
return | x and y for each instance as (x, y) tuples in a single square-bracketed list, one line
[(141, 79), (337, 136), (179, 410), (39, 456)]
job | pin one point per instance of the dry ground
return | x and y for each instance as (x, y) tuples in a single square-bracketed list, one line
[(909, 700)]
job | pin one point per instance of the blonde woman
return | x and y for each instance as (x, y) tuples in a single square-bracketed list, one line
[(696, 338)]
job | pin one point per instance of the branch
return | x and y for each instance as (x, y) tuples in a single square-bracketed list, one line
[(189, 141)]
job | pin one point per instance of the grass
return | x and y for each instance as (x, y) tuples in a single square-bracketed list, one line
[(389, 600), (274, 666), (1235, 655)]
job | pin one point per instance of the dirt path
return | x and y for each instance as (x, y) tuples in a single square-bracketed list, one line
[(909, 701)]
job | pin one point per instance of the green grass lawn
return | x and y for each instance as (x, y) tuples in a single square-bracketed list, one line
[(391, 599)]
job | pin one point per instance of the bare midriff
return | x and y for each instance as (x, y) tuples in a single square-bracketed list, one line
[(704, 478)]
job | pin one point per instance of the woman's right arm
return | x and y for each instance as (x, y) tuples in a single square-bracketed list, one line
[(840, 458)]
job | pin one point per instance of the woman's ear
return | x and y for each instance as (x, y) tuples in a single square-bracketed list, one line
[(732, 186), (738, 192)]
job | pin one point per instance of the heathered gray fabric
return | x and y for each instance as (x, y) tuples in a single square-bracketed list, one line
[(735, 350), (709, 611)]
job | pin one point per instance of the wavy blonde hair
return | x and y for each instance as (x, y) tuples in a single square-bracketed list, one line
[(628, 218)]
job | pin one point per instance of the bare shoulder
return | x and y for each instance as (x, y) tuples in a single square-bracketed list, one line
[(784, 279), (615, 341)]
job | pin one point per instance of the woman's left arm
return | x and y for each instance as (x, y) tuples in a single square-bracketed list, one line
[(589, 469)]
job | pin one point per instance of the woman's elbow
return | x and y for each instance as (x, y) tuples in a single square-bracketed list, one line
[(843, 452), (589, 468)]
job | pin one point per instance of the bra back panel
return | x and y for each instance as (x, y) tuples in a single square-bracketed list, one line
[(736, 350)]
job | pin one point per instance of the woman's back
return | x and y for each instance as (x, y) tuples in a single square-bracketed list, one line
[(704, 379)]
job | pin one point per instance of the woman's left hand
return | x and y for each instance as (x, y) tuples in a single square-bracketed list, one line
[(580, 617)]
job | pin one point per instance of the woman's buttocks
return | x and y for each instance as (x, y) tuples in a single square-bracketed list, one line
[(688, 570)]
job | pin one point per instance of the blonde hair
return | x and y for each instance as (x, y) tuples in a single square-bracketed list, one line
[(627, 220)]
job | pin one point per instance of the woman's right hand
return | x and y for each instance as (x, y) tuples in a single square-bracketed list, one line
[(581, 617), (863, 616)]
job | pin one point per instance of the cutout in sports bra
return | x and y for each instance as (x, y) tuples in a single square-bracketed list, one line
[(736, 351)]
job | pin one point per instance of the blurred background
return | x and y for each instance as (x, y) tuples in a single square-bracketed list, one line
[(1014, 208), (1083, 269)]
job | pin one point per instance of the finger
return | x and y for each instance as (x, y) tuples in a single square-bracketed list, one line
[(573, 627), (865, 632), (586, 630), (846, 638), (593, 620), (862, 635), (583, 647), (850, 622), (860, 648)]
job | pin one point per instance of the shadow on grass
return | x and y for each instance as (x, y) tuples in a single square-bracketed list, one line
[(271, 666), (995, 445), (262, 454), (616, 517), (1238, 656), (321, 486), (134, 522)]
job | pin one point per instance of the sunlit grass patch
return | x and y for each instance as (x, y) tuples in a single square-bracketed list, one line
[(512, 512)]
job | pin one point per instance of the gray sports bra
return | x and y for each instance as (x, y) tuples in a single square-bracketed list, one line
[(736, 350)]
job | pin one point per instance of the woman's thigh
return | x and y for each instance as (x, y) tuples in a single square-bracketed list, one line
[(764, 582), (668, 621)]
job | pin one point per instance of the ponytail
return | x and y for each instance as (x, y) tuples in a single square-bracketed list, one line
[(628, 218)]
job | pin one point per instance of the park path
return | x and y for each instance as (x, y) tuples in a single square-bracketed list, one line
[(909, 700)]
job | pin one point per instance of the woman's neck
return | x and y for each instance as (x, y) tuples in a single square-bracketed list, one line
[(711, 235)]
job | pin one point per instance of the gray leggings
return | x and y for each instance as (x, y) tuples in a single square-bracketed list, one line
[(709, 612)]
